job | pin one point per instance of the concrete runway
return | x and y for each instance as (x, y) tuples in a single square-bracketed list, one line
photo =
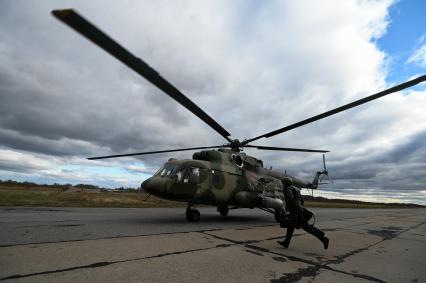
[(157, 244)]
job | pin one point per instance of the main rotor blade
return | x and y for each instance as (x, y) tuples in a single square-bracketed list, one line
[(152, 152), (85, 28), (341, 108), (286, 148)]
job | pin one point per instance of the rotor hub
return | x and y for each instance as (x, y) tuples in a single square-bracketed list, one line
[(235, 145)]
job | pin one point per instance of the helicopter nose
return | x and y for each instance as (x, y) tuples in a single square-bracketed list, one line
[(155, 186), (143, 186)]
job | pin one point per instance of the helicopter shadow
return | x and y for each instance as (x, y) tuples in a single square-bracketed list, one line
[(207, 219)]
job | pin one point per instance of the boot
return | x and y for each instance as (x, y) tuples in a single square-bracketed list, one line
[(283, 243), (325, 242)]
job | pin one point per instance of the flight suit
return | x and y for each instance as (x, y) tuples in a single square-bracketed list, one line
[(294, 202)]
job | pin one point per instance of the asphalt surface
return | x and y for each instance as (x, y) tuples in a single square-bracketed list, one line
[(158, 244)]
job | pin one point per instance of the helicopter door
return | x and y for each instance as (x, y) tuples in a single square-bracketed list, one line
[(203, 186), (189, 177), (194, 183)]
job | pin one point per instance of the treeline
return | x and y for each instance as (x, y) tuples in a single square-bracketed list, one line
[(13, 183), (322, 199)]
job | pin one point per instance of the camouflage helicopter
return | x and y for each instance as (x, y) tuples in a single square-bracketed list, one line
[(226, 177)]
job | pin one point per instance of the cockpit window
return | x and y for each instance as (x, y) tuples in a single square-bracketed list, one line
[(192, 175), (159, 171), (182, 174), (166, 170)]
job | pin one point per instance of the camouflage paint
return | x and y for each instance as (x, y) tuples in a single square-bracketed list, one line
[(220, 179)]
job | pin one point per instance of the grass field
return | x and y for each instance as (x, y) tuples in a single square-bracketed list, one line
[(46, 196), (50, 196)]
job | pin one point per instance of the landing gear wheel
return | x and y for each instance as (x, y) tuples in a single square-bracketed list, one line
[(192, 215), (278, 214), (223, 210)]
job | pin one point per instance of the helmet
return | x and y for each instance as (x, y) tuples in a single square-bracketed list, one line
[(287, 182)]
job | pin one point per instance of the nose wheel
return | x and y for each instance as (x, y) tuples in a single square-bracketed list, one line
[(192, 215), (223, 209)]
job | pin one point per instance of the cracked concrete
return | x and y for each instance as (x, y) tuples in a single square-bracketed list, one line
[(366, 246)]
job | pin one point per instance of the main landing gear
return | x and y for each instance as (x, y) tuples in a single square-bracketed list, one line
[(223, 209), (192, 215)]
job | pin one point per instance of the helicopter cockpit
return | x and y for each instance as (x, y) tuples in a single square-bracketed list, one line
[(184, 174), (173, 180)]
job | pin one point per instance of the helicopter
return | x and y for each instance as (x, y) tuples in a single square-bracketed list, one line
[(220, 175)]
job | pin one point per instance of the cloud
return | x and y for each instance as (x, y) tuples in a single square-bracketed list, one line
[(119, 110), (18, 162), (419, 55), (254, 67), (25, 166), (141, 169)]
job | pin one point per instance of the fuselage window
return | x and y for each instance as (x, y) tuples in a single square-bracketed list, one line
[(191, 175), (179, 176), (215, 178)]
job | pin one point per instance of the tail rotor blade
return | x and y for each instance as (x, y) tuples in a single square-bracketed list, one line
[(324, 173), (323, 161)]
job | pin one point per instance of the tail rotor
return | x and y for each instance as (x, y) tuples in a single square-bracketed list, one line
[(324, 174)]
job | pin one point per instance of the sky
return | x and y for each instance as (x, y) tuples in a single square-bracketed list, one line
[(254, 66)]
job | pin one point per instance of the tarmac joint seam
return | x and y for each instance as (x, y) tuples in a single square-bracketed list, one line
[(314, 267), (106, 263)]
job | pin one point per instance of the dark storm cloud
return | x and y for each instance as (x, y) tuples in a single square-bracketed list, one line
[(38, 144), (388, 173), (48, 102), (20, 168), (414, 150)]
